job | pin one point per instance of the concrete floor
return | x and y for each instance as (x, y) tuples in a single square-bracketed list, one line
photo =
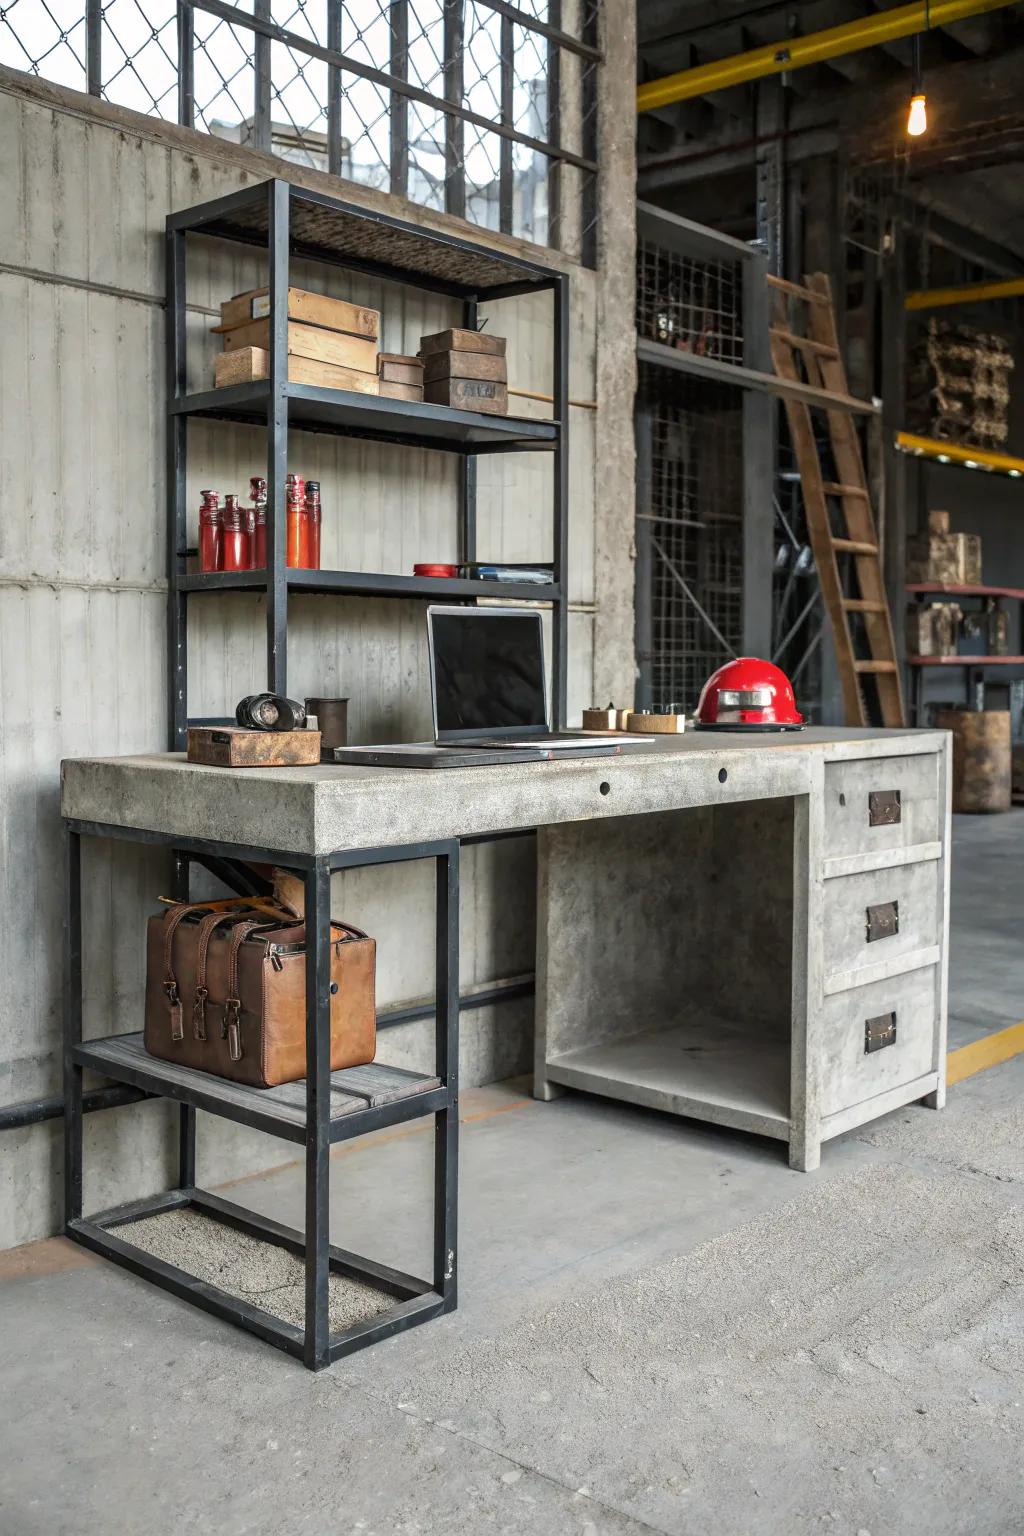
[(661, 1329)]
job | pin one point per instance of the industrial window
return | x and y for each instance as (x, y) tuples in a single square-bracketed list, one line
[(485, 109)]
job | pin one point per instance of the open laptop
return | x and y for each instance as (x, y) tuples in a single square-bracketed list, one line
[(489, 697)]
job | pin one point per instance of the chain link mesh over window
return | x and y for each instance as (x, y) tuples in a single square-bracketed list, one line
[(482, 108)]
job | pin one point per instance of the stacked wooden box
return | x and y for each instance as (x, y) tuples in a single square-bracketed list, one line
[(331, 343), (939, 556), (466, 370), (401, 377)]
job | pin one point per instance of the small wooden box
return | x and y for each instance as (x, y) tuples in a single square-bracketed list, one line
[(392, 391), (312, 308), (251, 363), (468, 395), (310, 341), (462, 341), (395, 368), (465, 365), (939, 556), (231, 746)]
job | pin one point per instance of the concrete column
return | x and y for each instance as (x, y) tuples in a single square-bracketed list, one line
[(614, 651)]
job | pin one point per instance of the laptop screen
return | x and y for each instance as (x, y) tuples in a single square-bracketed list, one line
[(488, 671)]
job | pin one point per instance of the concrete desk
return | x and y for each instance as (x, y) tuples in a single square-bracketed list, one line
[(750, 930)]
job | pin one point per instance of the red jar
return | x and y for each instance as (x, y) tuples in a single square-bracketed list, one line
[(236, 537), (295, 533), (313, 525), (211, 533)]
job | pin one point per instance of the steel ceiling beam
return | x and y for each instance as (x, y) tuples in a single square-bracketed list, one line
[(816, 48)]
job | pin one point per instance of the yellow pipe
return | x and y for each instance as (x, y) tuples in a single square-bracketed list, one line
[(958, 453), (798, 52), (966, 293)]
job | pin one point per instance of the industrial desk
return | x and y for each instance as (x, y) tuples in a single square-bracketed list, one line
[(750, 930)]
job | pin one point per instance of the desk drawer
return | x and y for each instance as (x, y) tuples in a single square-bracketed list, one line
[(897, 1019), (877, 917), (877, 803)]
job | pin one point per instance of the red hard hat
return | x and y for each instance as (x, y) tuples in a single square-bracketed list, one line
[(748, 695)]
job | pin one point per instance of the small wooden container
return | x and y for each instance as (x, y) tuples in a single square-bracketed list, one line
[(468, 395), (982, 760), (462, 341), (231, 746)]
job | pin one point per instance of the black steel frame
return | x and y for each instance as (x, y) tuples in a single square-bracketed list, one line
[(278, 405), (759, 428), (417, 1300)]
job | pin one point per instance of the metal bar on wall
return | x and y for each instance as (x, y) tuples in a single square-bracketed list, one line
[(186, 65), (94, 46), (262, 134), (555, 178), (334, 89), (177, 465), (560, 500), (467, 469), (588, 195), (454, 127), (506, 187), (643, 571), (552, 29), (398, 113)]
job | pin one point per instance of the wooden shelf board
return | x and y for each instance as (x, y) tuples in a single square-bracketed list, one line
[(965, 661), (965, 591)]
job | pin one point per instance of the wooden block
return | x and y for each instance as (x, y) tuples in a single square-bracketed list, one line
[(462, 341), (953, 559), (313, 308), (392, 391), (308, 341), (468, 395), (252, 363), (399, 369), (465, 365), (231, 746)]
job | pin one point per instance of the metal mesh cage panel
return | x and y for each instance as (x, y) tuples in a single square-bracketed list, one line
[(695, 304)]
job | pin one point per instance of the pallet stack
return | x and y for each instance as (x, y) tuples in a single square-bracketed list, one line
[(331, 344), (466, 370)]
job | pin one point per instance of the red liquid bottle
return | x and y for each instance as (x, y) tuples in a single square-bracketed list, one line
[(313, 524), (211, 533), (295, 537), (258, 492), (236, 539)]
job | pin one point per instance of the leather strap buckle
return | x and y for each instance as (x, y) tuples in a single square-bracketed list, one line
[(199, 1013), (233, 1028), (174, 1001)]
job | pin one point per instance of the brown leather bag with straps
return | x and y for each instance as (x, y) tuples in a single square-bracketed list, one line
[(226, 992)]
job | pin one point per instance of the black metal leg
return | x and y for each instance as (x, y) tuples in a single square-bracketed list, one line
[(318, 1107), (72, 1028), (180, 879), (446, 1124), (560, 615), (277, 442)]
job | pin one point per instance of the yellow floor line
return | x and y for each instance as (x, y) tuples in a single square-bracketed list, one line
[(989, 1051)]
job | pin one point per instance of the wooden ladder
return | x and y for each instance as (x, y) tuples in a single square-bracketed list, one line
[(805, 349)]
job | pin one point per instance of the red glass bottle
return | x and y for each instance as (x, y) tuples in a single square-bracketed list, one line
[(236, 538), (313, 525), (295, 537), (211, 533), (258, 492)]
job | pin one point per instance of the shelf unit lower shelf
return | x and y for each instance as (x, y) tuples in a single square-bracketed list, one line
[(954, 589), (371, 584), (362, 1098), (347, 413), (965, 661)]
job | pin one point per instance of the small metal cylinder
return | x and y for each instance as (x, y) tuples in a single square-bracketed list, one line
[(332, 720)]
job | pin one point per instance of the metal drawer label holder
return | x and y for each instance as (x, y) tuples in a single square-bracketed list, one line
[(879, 1032), (884, 808), (883, 920)]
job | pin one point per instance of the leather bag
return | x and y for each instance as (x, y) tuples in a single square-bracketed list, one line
[(226, 992)]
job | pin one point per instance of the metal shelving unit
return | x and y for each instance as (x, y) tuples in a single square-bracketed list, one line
[(287, 221)]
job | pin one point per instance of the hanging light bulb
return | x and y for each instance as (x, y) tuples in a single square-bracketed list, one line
[(917, 115)]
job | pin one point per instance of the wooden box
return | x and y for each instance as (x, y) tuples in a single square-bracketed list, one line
[(933, 629), (462, 341), (952, 559), (465, 365), (311, 308), (250, 363), (231, 746), (392, 391), (396, 368), (310, 341), (468, 395)]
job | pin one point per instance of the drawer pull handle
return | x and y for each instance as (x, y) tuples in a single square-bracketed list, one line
[(879, 1032), (883, 920), (884, 808)]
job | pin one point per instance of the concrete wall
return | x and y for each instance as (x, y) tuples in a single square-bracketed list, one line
[(83, 595)]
